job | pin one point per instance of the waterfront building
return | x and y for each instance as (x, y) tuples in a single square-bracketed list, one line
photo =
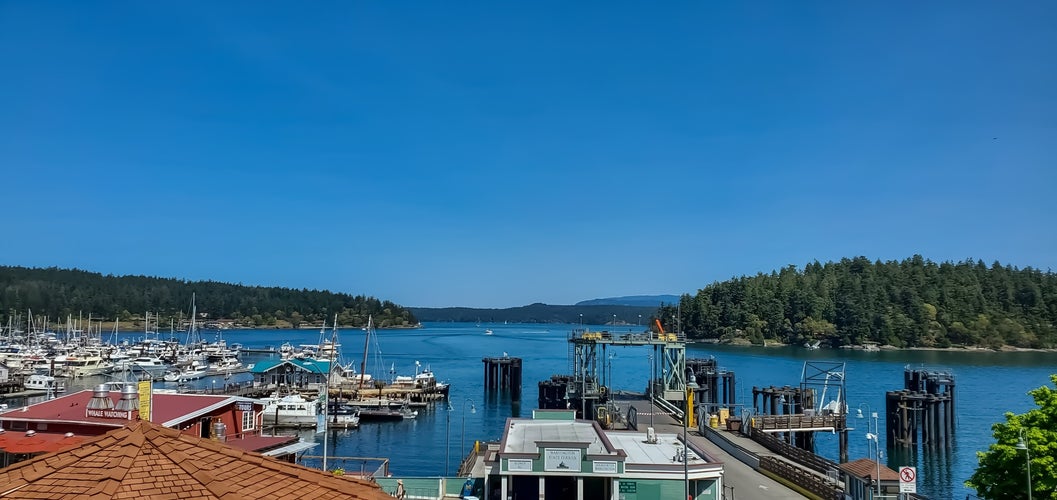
[(145, 460), (291, 373), (65, 421), (553, 455)]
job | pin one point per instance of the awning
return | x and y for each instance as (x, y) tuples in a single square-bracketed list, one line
[(289, 449)]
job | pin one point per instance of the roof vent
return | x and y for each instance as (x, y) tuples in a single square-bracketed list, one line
[(100, 399), (129, 399)]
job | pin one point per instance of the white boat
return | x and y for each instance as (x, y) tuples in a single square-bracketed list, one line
[(488, 331), (195, 373), (226, 365), (152, 365), (172, 375), (84, 365), (41, 382), (290, 411)]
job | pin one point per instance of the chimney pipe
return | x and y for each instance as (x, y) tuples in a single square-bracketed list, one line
[(100, 399), (129, 398)]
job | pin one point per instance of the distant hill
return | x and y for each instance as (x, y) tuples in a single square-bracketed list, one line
[(60, 293), (653, 301), (618, 315)]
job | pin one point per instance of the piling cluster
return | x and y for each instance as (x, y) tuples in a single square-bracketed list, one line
[(923, 411)]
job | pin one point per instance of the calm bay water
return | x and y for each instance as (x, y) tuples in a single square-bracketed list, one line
[(987, 385)]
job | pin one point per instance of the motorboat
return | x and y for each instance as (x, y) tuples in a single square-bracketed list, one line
[(341, 415), (291, 410), (42, 382)]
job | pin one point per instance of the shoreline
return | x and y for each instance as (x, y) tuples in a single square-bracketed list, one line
[(885, 347)]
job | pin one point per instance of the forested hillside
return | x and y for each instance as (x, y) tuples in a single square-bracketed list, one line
[(909, 303), (56, 293)]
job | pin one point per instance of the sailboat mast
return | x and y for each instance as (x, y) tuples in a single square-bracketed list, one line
[(326, 400), (366, 340)]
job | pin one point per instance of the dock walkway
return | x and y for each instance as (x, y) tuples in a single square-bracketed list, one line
[(741, 480)]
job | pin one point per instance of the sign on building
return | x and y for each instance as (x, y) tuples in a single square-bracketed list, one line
[(561, 460)]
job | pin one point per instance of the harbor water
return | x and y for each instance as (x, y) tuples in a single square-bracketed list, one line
[(988, 385)]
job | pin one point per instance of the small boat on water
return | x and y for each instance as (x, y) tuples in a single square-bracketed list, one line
[(488, 331), (291, 410), (42, 382), (386, 414), (341, 415)]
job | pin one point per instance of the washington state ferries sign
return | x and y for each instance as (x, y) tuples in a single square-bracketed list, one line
[(561, 460)]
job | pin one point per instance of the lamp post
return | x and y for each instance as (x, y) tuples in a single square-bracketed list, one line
[(639, 322), (447, 437), (609, 376), (1022, 445), (872, 436), (691, 384), (614, 320), (650, 388), (581, 321), (473, 409)]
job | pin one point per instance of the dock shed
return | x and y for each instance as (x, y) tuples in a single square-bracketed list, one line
[(298, 373)]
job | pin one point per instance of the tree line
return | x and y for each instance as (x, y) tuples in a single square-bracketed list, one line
[(910, 303), (59, 293)]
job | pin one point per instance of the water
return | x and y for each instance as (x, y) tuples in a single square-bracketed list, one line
[(988, 384)]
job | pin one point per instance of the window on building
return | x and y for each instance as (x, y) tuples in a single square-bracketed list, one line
[(247, 421)]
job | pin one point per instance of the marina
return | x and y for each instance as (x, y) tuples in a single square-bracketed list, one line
[(417, 447)]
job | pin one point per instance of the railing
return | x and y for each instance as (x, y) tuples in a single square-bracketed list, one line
[(363, 467), (809, 482), (793, 423), (803, 457)]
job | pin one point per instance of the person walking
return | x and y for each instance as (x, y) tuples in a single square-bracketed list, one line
[(400, 493)]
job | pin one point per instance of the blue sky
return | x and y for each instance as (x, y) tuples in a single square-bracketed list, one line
[(494, 155)]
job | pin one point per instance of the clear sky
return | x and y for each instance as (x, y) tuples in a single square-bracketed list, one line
[(495, 154)]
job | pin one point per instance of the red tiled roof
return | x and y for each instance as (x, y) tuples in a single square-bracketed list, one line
[(864, 467), (144, 460)]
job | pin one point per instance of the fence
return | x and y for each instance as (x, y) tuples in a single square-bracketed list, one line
[(803, 457), (813, 484)]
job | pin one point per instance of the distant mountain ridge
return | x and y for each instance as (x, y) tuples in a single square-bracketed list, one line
[(632, 300)]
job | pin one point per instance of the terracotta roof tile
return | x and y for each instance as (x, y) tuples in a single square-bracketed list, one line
[(146, 460)]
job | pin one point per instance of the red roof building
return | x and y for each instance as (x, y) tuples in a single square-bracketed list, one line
[(234, 419), (145, 460)]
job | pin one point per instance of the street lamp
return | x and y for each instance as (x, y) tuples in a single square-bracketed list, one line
[(872, 436), (581, 321), (614, 320), (609, 376), (473, 409), (639, 322), (1022, 445), (691, 384), (447, 437), (650, 388)]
